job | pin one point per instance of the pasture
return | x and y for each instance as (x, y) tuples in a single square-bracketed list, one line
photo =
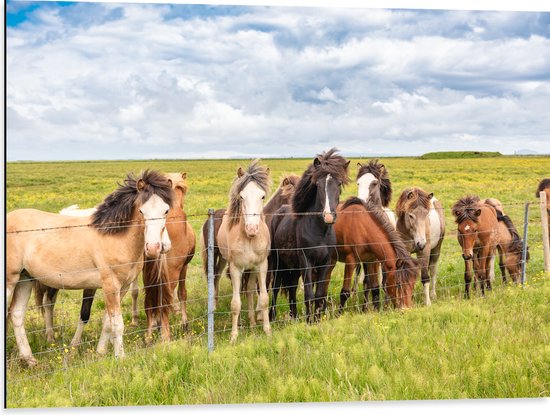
[(492, 347)]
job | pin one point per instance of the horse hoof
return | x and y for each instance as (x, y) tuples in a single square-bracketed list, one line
[(30, 361), (134, 323), (267, 332), (148, 340), (233, 339), (185, 327)]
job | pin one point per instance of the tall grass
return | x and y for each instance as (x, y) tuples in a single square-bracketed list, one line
[(496, 346)]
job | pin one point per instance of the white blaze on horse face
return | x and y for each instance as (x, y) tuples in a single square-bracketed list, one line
[(363, 184), (154, 212), (328, 214), (252, 200)]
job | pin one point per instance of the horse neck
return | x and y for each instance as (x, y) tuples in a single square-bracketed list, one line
[(136, 233), (274, 203), (179, 196)]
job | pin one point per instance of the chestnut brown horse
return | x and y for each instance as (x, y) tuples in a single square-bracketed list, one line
[(510, 246), (162, 275), (364, 235), (421, 223), (101, 251), (280, 197), (478, 235)]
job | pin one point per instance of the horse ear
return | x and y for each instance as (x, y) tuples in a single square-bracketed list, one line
[(316, 162), (267, 170), (359, 165), (240, 172), (477, 212), (140, 185), (431, 195), (410, 195), (184, 175), (171, 183), (286, 182), (347, 164)]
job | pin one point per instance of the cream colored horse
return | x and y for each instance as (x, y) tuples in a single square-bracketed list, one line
[(244, 242), (101, 251)]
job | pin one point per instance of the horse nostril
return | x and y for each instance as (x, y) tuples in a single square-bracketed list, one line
[(466, 257)]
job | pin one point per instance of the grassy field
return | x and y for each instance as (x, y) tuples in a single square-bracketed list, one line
[(498, 346)]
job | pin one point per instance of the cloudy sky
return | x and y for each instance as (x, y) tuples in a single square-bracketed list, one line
[(120, 81)]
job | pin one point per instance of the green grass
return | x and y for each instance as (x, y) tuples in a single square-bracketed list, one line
[(484, 348), (459, 155)]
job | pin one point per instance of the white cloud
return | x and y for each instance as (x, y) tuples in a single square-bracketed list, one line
[(388, 81)]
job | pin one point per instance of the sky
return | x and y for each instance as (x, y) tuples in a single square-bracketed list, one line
[(92, 81)]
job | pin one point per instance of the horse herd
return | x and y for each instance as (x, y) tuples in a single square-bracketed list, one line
[(303, 230)]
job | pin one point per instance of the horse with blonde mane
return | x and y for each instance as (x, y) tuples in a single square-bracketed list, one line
[(101, 251), (244, 242)]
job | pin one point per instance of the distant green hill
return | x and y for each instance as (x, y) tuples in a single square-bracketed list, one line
[(459, 155)]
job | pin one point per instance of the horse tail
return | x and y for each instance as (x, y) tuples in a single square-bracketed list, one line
[(159, 296), (516, 245)]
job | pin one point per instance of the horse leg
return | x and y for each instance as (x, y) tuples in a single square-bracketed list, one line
[(85, 310), (492, 267), (349, 268), (277, 282), (106, 330), (434, 258), (467, 276), (424, 258), (50, 297), (111, 291), (182, 296), (321, 290), (489, 263), (218, 271), (372, 284), (135, 293), (308, 292), (18, 309), (294, 282), (263, 298), (501, 264), (250, 291), (236, 276)]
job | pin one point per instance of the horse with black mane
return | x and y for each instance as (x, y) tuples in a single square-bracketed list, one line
[(303, 237)]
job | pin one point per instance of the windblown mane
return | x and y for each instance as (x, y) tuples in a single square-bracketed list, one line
[(254, 173), (419, 198), (330, 163), (465, 209), (113, 215), (544, 184), (379, 171), (516, 244)]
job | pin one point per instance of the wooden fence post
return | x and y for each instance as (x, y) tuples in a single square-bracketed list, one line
[(545, 236)]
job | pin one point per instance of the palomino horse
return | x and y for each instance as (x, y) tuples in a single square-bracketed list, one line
[(478, 236), (302, 236), (101, 251), (364, 234), (510, 245), (162, 275), (282, 196), (421, 223), (184, 242), (544, 186), (244, 242)]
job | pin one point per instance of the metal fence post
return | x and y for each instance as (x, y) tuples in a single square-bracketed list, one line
[(545, 237), (210, 254), (524, 253)]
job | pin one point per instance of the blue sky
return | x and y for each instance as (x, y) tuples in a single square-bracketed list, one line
[(107, 80)]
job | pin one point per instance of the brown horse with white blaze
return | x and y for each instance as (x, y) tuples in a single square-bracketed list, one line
[(478, 236), (101, 251), (421, 223)]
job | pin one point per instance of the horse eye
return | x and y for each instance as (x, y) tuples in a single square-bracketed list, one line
[(141, 211), (166, 213), (263, 197)]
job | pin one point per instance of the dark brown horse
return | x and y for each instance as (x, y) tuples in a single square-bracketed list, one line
[(365, 235), (478, 236), (421, 223), (282, 196), (303, 237)]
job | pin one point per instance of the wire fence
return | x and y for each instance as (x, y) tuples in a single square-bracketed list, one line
[(203, 321)]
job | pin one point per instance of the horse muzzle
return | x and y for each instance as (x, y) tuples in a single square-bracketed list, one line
[(467, 257), (420, 246), (153, 250), (329, 218), (252, 230)]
